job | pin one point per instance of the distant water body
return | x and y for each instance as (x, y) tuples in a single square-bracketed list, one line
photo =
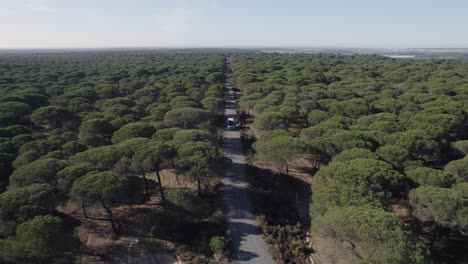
[(400, 56)]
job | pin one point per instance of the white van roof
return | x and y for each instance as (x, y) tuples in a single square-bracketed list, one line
[(230, 119)]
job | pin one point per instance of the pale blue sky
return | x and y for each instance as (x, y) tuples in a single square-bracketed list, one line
[(222, 23)]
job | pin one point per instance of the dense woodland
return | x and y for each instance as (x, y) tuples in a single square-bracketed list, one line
[(379, 132), (95, 129), (88, 128)]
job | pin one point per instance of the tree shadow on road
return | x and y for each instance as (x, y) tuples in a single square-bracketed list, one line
[(239, 232), (245, 255)]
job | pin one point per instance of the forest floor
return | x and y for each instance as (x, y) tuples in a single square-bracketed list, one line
[(448, 246), (145, 235), (101, 245)]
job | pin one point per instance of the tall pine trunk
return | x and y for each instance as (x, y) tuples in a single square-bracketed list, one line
[(161, 191), (198, 186), (83, 207), (111, 216), (145, 183)]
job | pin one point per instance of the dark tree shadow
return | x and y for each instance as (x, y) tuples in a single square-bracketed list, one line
[(283, 199), (245, 255), (238, 233)]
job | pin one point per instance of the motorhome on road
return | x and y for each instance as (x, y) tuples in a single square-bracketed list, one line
[(231, 125)]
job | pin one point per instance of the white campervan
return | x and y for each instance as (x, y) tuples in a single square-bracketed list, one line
[(231, 125)]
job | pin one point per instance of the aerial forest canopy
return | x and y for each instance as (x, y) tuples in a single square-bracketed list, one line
[(85, 126), (100, 129), (380, 132)]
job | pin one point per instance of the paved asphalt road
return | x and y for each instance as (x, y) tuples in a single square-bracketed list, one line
[(247, 242)]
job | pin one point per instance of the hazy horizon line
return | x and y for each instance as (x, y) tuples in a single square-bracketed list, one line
[(228, 47)]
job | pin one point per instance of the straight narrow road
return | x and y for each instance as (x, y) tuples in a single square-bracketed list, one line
[(247, 242)]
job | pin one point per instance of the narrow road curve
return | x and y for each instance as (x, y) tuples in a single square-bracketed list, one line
[(247, 242)]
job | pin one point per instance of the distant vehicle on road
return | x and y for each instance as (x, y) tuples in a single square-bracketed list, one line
[(231, 124)]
